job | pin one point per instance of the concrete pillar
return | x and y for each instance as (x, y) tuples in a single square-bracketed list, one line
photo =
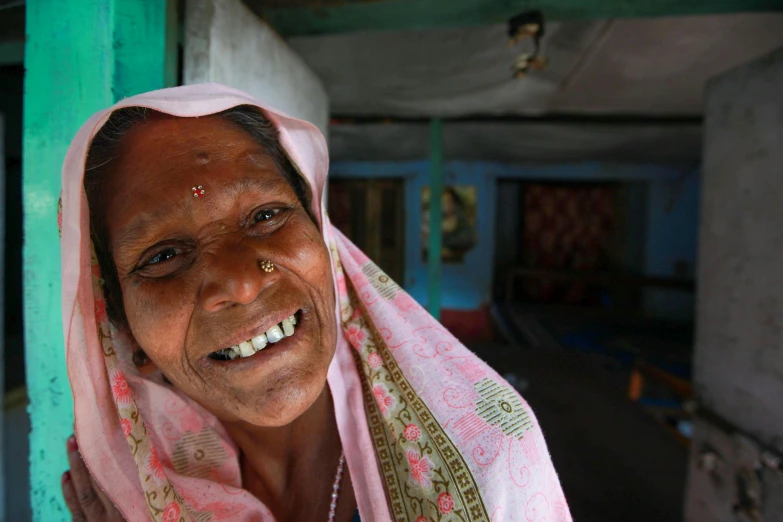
[(225, 42), (739, 351)]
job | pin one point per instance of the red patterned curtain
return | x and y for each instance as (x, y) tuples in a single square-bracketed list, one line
[(567, 228)]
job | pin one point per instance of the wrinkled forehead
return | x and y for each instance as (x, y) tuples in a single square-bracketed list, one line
[(300, 142), (138, 142)]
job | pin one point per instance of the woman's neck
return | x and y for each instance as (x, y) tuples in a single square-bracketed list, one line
[(286, 467)]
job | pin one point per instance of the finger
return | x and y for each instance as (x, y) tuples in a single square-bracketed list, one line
[(82, 484), (69, 493), (108, 505)]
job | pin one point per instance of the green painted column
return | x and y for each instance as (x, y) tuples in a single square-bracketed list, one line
[(173, 38), (80, 56), (434, 262)]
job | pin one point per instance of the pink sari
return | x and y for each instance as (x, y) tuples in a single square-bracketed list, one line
[(430, 431)]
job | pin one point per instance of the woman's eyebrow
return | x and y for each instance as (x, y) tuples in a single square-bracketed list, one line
[(271, 184), (138, 228)]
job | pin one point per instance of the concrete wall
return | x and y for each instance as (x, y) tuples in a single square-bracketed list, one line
[(227, 43), (739, 352)]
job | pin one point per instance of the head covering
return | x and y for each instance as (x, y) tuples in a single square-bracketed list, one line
[(430, 432)]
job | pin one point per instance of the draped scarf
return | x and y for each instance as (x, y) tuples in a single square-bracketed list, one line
[(430, 432)]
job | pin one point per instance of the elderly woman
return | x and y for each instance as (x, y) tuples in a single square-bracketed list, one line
[(234, 357)]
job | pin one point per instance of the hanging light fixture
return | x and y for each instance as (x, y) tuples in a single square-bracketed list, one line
[(529, 24)]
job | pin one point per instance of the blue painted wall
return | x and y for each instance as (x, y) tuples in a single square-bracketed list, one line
[(467, 286), (671, 243)]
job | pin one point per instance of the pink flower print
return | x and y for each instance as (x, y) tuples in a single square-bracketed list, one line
[(405, 302), (422, 519), (383, 398), (171, 512), (222, 510), (100, 310), (189, 421), (342, 289), (420, 469), (374, 360), (356, 314), (445, 503), (355, 336), (120, 389), (412, 432), (126, 426), (154, 466)]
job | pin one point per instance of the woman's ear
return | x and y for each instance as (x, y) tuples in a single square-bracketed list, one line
[(142, 362)]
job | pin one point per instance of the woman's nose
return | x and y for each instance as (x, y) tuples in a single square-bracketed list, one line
[(234, 276)]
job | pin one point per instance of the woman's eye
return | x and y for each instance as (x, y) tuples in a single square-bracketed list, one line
[(264, 215), (160, 257)]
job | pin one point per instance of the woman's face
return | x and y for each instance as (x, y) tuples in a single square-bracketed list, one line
[(190, 274)]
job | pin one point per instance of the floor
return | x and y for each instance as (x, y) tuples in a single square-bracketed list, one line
[(615, 462)]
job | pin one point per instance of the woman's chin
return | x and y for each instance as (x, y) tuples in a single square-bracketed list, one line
[(282, 415), (276, 407)]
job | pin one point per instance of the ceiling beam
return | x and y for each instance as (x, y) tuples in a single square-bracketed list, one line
[(321, 17)]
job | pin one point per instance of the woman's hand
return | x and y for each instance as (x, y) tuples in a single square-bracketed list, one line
[(85, 499)]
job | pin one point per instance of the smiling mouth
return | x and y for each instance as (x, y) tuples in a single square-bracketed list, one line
[(277, 333)]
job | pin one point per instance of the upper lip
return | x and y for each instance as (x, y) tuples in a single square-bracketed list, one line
[(248, 333)]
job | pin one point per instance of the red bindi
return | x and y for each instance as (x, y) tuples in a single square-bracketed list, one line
[(197, 191)]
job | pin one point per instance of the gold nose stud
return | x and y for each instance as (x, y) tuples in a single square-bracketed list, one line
[(267, 266)]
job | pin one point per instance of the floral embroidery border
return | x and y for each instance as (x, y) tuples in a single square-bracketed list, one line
[(468, 506), (163, 501)]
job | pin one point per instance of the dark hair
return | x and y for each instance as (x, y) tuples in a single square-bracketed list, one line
[(104, 150)]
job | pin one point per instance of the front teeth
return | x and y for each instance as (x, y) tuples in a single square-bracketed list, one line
[(274, 334), (259, 343), (247, 348)]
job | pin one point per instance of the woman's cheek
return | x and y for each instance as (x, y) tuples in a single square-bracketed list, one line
[(154, 318), (322, 270)]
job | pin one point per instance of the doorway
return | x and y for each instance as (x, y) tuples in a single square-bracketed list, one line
[(370, 213), (550, 234)]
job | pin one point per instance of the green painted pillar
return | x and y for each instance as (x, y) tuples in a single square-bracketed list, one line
[(173, 40), (434, 268), (80, 56)]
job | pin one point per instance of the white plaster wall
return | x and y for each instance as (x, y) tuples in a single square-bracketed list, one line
[(738, 368), (739, 353), (227, 43)]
